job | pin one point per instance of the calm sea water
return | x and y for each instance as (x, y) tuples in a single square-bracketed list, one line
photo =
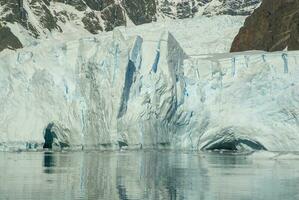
[(148, 175)]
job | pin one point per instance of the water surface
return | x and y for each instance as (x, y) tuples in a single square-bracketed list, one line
[(148, 175)]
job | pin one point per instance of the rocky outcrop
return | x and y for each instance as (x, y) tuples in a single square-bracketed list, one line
[(114, 16), (8, 40), (190, 8), (92, 23), (13, 12), (273, 26), (140, 11), (38, 18)]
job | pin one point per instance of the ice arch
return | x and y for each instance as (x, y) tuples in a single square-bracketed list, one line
[(54, 137)]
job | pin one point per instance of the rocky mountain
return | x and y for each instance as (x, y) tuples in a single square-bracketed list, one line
[(273, 26), (188, 8), (23, 21)]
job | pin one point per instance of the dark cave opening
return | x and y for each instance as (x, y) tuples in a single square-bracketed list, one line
[(228, 146), (49, 136), (122, 144), (237, 144)]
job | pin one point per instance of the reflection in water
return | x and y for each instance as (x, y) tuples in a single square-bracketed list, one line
[(147, 175), (122, 192), (49, 162)]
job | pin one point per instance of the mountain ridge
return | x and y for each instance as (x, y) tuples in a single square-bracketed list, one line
[(22, 21)]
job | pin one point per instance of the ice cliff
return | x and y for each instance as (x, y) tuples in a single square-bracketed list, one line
[(112, 92)]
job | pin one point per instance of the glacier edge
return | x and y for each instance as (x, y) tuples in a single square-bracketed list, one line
[(106, 92)]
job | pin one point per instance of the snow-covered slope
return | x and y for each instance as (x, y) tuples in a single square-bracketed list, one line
[(121, 89), (189, 8), (198, 35), (25, 22)]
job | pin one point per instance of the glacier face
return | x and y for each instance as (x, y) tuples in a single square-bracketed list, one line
[(145, 91), (248, 100)]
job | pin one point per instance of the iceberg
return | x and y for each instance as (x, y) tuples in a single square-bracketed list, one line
[(112, 91)]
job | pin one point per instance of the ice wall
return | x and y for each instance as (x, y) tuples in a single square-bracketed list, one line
[(246, 100), (145, 92)]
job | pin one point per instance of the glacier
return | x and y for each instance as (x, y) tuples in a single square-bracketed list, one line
[(120, 90)]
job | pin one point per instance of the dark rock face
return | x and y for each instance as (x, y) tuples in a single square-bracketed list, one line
[(98, 5), (47, 20), (114, 16), (140, 11), (294, 36), (186, 9), (78, 4), (13, 12), (182, 9), (8, 40), (95, 13), (92, 23), (272, 27)]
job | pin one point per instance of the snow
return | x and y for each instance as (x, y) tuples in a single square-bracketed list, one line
[(150, 86), (210, 34), (205, 8), (199, 35)]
